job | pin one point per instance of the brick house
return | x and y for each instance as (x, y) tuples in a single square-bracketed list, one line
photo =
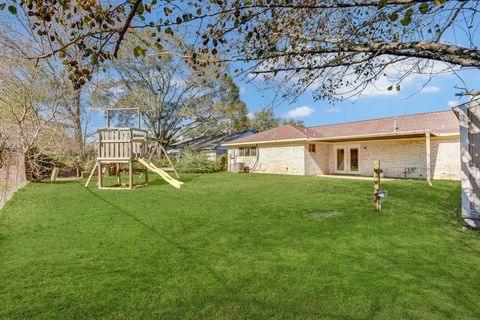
[(422, 146)]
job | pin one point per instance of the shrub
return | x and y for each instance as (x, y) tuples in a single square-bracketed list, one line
[(197, 162)]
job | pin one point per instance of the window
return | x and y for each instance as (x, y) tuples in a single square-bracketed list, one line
[(312, 148), (247, 152)]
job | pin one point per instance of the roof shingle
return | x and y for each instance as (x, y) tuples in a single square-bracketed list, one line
[(435, 122)]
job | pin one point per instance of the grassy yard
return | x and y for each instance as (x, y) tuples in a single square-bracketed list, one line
[(238, 246)]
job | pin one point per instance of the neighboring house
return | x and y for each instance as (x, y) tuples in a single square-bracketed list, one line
[(469, 118), (415, 146), (211, 145)]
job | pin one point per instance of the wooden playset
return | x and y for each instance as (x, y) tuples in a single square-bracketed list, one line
[(120, 149)]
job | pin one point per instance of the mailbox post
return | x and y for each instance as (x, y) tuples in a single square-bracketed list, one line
[(377, 200)]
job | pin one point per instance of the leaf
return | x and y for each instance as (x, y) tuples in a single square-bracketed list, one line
[(424, 8), (390, 88), (394, 16), (382, 3), (168, 30), (148, 7), (397, 87), (62, 54), (439, 2), (140, 9), (138, 51), (12, 10), (158, 46)]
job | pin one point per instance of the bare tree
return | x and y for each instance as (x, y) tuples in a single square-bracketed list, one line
[(30, 100)]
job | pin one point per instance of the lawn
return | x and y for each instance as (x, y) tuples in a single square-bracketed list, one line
[(238, 246)]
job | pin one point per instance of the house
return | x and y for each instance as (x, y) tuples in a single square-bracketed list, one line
[(422, 146), (469, 119), (211, 145)]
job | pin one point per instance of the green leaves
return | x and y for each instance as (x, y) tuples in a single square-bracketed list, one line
[(407, 18), (140, 9), (424, 8), (12, 9), (394, 16), (139, 51)]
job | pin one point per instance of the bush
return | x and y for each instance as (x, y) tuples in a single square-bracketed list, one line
[(197, 162)]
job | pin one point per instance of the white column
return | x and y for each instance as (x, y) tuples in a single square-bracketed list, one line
[(427, 158)]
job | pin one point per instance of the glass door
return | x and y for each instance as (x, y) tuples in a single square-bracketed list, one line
[(346, 159), (353, 160), (340, 160)]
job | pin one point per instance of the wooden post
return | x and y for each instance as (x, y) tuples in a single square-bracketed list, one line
[(54, 175), (100, 175), (377, 201), (130, 174), (428, 161), (168, 158), (119, 178)]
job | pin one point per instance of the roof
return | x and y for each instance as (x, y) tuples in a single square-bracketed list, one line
[(437, 123), (209, 142)]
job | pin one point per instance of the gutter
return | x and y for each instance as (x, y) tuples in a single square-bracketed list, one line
[(333, 138)]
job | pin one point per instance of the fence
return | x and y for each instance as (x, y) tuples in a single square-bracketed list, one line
[(12, 175)]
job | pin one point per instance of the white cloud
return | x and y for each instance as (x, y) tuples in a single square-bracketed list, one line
[(430, 89), (300, 112), (242, 90), (333, 110), (250, 115), (453, 103)]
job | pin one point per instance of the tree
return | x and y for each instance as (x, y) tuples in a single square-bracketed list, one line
[(29, 100), (265, 120), (230, 112), (175, 99), (338, 46), (72, 112)]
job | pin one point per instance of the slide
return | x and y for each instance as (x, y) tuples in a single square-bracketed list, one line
[(165, 176)]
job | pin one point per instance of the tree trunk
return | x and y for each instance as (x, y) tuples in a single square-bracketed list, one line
[(77, 128)]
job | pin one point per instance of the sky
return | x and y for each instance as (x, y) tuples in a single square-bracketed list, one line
[(415, 96)]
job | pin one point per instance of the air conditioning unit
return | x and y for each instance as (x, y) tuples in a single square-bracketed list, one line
[(239, 167)]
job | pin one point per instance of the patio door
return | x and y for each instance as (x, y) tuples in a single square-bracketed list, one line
[(346, 159)]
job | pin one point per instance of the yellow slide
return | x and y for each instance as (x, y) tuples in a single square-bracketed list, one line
[(165, 176)]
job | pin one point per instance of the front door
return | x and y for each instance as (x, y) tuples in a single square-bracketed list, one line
[(346, 159)]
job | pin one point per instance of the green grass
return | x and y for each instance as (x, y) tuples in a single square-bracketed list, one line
[(238, 246)]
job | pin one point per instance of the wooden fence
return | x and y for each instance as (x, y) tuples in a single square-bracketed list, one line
[(12, 175)]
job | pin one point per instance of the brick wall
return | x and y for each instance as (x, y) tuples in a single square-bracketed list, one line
[(279, 158), (395, 155), (317, 163)]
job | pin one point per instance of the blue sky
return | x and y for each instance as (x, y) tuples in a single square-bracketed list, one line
[(438, 94)]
